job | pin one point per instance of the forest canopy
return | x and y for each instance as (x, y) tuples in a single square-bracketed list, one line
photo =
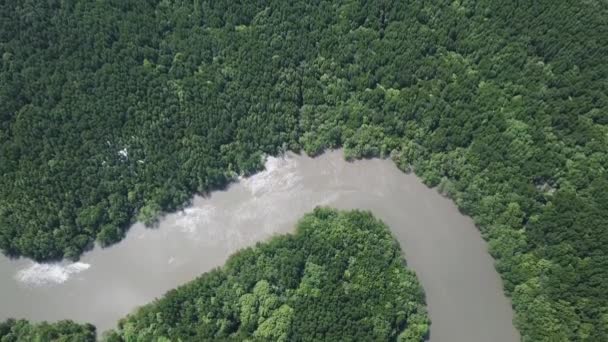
[(63, 331), (115, 111)]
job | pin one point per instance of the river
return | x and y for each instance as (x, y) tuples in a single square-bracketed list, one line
[(463, 290)]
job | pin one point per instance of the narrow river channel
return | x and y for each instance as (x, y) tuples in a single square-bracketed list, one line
[(463, 290)]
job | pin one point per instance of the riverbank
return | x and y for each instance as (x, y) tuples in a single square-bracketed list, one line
[(463, 290)]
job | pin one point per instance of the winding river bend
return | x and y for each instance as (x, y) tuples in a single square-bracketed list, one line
[(463, 290)]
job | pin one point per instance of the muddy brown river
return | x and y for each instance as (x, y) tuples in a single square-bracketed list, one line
[(463, 290)]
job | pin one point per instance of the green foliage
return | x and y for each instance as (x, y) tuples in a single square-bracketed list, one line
[(340, 277), (63, 331), (117, 110)]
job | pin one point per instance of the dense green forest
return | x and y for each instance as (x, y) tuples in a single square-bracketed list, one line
[(116, 110), (340, 277), (63, 331)]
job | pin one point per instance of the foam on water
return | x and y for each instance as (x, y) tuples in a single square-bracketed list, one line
[(209, 224), (279, 175), (189, 219), (47, 274)]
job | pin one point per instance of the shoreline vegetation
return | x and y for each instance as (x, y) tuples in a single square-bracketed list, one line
[(117, 111), (21, 330)]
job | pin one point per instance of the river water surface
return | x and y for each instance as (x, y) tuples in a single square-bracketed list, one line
[(463, 290)]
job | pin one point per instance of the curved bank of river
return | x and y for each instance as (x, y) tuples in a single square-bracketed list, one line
[(463, 290)]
